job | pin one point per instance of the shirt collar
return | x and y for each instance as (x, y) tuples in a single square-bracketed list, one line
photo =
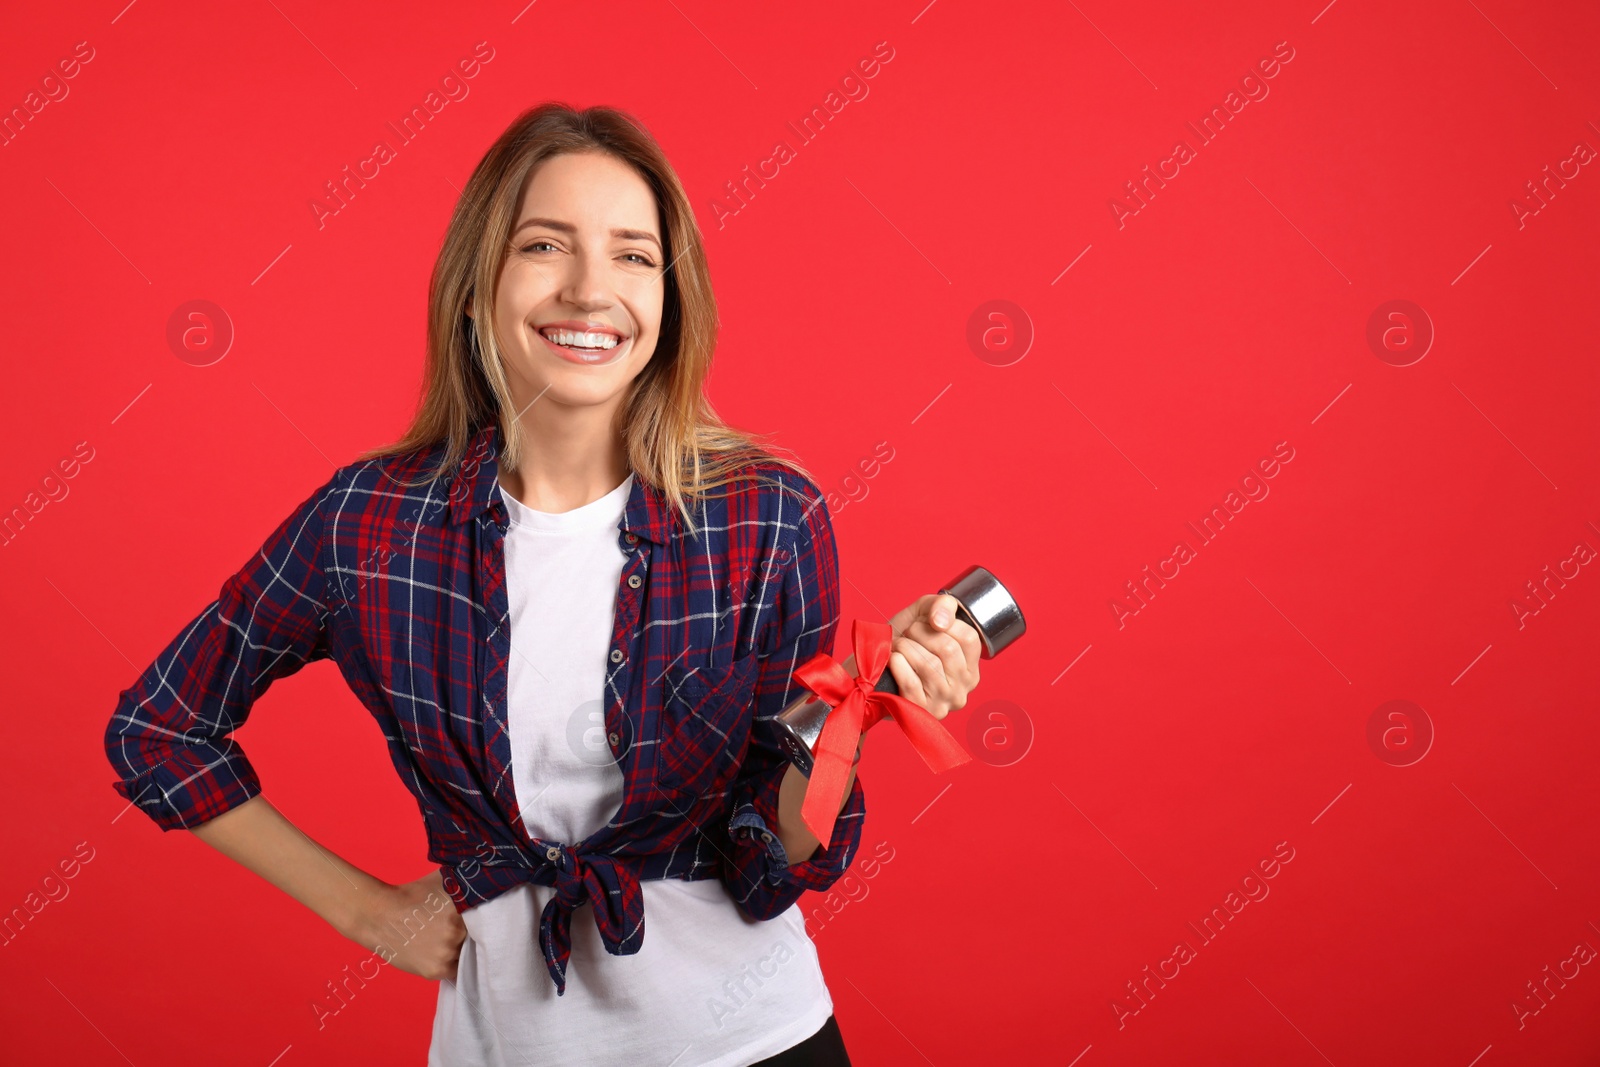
[(472, 491)]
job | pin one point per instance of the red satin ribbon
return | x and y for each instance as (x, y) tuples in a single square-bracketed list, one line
[(856, 706)]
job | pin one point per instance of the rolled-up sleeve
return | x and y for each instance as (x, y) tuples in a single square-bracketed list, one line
[(169, 739), (806, 606)]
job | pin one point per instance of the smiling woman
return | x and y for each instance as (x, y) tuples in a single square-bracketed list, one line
[(574, 599)]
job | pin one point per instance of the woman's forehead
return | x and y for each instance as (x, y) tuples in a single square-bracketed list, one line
[(591, 191)]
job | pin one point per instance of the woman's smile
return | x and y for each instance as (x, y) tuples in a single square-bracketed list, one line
[(587, 344)]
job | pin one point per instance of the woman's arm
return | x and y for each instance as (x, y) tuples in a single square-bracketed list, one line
[(798, 841), (414, 926), (170, 742), (938, 667), (763, 874)]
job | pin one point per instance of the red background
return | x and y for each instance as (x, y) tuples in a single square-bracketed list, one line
[(1227, 315)]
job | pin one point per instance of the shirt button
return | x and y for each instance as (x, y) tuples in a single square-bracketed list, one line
[(615, 739), (616, 655), (634, 581), (631, 538), (552, 853), (766, 837)]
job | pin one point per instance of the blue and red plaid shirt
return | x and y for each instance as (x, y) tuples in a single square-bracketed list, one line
[(404, 587)]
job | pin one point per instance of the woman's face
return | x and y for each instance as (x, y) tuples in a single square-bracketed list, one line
[(578, 305)]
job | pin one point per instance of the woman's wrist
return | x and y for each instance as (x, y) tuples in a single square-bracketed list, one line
[(359, 915), (798, 841)]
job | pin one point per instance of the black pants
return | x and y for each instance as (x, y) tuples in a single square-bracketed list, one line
[(825, 1048)]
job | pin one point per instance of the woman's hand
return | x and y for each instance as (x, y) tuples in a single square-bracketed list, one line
[(414, 927), (934, 657)]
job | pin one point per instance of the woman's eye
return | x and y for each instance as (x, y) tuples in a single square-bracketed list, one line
[(637, 257)]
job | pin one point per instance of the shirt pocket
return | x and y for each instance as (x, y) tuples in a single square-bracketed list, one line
[(705, 724)]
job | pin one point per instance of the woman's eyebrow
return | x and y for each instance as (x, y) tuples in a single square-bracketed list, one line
[(569, 228)]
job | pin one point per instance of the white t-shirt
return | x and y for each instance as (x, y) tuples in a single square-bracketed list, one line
[(708, 987)]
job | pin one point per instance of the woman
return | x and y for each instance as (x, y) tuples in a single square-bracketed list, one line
[(573, 599)]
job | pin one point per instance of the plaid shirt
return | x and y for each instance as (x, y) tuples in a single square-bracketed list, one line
[(405, 589)]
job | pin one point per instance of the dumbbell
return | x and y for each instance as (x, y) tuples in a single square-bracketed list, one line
[(983, 603)]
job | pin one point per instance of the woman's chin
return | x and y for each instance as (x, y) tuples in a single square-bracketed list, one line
[(558, 382)]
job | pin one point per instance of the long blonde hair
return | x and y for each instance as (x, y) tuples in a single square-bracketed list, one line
[(674, 439)]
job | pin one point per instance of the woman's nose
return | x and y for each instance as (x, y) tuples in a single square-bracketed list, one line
[(588, 284)]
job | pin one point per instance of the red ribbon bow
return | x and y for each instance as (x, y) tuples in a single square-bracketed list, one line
[(856, 706)]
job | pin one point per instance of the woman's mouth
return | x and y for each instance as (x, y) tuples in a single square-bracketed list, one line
[(589, 346)]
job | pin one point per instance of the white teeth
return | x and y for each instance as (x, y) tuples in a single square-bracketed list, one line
[(581, 340)]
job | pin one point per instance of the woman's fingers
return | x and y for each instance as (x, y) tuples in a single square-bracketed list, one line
[(943, 645), (933, 689), (909, 614), (908, 678), (432, 951), (959, 648), (937, 654)]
